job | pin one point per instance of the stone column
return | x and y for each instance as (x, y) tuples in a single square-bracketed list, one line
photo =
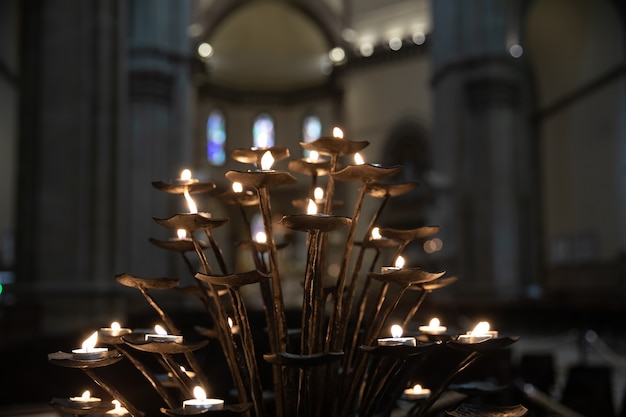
[(157, 144), (483, 150)]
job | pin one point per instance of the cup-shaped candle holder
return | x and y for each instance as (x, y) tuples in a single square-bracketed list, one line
[(365, 173), (181, 187), (406, 276), (315, 222), (226, 411), (483, 344), (180, 245), (68, 406), (334, 146), (310, 167), (262, 179), (191, 222), (245, 198), (386, 190), (234, 280), (139, 342), (146, 283), (70, 360), (254, 155), (400, 351), (408, 235)]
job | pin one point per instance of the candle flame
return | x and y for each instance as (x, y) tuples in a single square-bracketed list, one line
[(318, 194), (181, 233), (118, 406), (260, 237), (376, 233), (115, 326), (311, 208), (481, 329), (185, 175), (314, 155), (337, 133), (434, 322), (160, 330), (91, 341), (417, 388), (192, 204), (358, 159), (199, 393), (396, 331), (230, 322), (237, 187), (266, 161), (86, 395), (399, 262)]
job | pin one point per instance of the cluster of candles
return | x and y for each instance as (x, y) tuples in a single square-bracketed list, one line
[(480, 333)]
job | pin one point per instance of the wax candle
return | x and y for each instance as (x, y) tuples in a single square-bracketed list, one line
[(185, 178), (416, 393), (267, 160), (114, 331), (88, 351), (396, 338), (480, 333), (201, 401), (162, 336), (85, 400), (399, 264), (434, 327)]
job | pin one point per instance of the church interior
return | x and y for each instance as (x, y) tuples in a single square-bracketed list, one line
[(508, 117)]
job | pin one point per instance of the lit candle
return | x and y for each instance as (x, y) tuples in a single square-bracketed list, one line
[(202, 402), (318, 195), (86, 399), (237, 187), (314, 156), (190, 374), (118, 410), (267, 161), (396, 338), (185, 177), (358, 159), (376, 233), (311, 208), (114, 331), (434, 327), (162, 336), (399, 264), (89, 351), (480, 333), (181, 234), (260, 237), (234, 329), (416, 393), (337, 133)]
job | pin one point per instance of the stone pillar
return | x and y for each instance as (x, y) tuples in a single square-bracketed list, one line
[(482, 148), (158, 141)]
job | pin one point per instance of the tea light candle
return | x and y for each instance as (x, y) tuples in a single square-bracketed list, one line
[(416, 393), (399, 264), (396, 338), (434, 327), (85, 400), (480, 333), (89, 351), (202, 402), (114, 331), (162, 336)]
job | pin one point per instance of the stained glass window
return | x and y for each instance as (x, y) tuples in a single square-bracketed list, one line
[(311, 130), (216, 138), (263, 131)]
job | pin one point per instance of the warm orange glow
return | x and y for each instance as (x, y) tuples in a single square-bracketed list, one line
[(260, 237), (434, 322), (185, 175), (337, 133), (266, 161), (358, 159), (237, 187), (90, 342), (417, 388), (376, 233), (160, 330), (230, 322), (318, 194), (396, 331), (192, 204), (399, 262), (481, 329), (311, 208), (199, 393), (115, 326), (181, 233), (314, 155)]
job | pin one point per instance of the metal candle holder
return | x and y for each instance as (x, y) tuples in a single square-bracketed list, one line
[(337, 368)]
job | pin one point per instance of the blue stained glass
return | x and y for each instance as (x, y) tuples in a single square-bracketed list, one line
[(263, 131), (216, 138)]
